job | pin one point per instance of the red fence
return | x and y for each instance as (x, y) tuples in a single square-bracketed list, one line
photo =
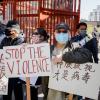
[(42, 13)]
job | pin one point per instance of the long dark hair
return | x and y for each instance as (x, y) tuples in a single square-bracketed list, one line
[(42, 32)]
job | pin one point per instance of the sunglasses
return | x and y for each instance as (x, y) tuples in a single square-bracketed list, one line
[(62, 31), (7, 31)]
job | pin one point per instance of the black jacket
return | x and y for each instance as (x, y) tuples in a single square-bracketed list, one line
[(91, 45), (78, 55), (10, 42)]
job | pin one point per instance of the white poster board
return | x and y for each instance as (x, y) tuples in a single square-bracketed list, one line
[(3, 86), (3, 79), (28, 60), (83, 80)]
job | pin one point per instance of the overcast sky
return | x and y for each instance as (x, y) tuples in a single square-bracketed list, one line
[(87, 6)]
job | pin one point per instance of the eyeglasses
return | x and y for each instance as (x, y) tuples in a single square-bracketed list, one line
[(7, 31)]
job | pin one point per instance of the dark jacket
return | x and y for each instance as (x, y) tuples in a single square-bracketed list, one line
[(10, 42), (91, 45), (78, 55)]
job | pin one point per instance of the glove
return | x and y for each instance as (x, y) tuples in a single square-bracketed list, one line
[(89, 35), (86, 39)]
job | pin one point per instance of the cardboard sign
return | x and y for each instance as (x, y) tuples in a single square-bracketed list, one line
[(3, 79), (28, 60), (79, 79), (3, 86), (2, 65)]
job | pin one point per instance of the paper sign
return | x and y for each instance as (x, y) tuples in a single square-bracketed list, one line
[(79, 79), (2, 65), (3, 79), (3, 86), (28, 60)]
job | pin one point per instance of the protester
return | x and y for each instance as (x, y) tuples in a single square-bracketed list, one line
[(88, 42), (63, 50), (12, 38), (39, 35)]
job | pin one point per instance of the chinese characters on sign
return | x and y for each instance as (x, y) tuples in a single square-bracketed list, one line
[(3, 85), (2, 67), (3, 79), (77, 79), (88, 70)]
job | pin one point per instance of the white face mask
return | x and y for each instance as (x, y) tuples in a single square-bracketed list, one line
[(62, 37), (36, 39)]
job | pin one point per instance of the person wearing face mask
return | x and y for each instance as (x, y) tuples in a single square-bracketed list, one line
[(38, 36), (86, 40), (12, 37), (61, 37), (12, 32), (63, 51)]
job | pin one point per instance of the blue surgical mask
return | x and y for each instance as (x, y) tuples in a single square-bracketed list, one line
[(62, 37), (83, 33)]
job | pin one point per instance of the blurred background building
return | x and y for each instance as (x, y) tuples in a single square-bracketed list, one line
[(95, 14)]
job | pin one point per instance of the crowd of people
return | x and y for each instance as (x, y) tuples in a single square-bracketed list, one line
[(81, 48)]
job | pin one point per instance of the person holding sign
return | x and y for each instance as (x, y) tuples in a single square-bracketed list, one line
[(12, 32), (63, 51), (39, 36), (87, 41)]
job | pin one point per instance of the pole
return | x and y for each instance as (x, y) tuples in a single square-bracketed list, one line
[(28, 88)]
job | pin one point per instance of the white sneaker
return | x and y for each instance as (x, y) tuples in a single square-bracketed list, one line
[(41, 95)]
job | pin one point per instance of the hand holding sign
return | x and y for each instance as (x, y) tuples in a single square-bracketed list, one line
[(56, 59)]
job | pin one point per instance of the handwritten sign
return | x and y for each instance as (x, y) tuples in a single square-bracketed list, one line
[(3, 79), (2, 65), (77, 79), (28, 60), (3, 86)]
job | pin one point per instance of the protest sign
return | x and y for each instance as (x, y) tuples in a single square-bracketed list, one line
[(3, 79), (2, 65), (3, 86), (79, 79), (28, 60)]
